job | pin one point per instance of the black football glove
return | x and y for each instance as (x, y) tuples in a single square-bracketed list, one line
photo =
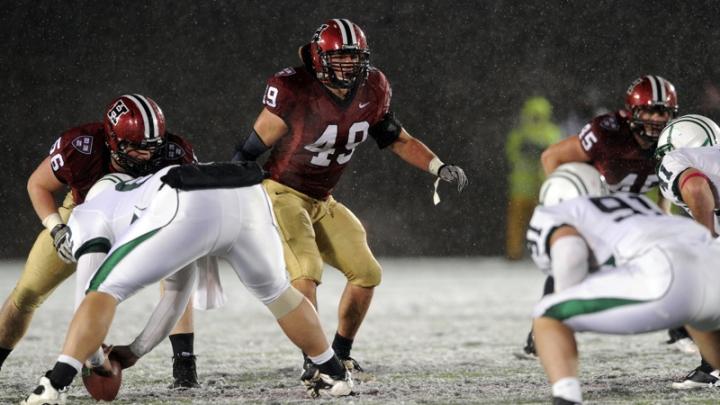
[(452, 173), (61, 240)]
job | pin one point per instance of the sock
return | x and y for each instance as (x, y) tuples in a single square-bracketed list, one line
[(332, 367), (322, 357), (705, 366), (4, 353), (64, 371), (342, 346), (567, 388), (182, 344)]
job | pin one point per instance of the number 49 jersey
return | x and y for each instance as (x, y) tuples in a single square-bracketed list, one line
[(620, 226), (613, 150), (323, 130)]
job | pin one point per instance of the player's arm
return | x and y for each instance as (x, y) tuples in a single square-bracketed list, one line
[(41, 186), (567, 150), (700, 197), (570, 257), (416, 153), (268, 128)]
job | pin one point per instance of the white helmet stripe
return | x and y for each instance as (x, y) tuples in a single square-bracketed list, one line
[(351, 28), (664, 84), (654, 86), (150, 120), (342, 30)]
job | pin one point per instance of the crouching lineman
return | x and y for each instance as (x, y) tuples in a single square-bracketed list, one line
[(94, 226), (233, 220), (661, 279), (690, 178)]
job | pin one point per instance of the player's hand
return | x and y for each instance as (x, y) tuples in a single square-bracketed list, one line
[(61, 240), (452, 173), (124, 356)]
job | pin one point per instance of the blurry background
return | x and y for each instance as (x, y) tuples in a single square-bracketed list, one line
[(460, 73)]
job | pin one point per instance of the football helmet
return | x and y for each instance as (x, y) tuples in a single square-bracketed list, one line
[(650, 94), (571, 180), (135, 122), (339, 54), (688, 131)]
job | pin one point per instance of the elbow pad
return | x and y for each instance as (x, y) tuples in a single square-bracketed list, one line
[(570, 261), (250, 149), (386, 131)]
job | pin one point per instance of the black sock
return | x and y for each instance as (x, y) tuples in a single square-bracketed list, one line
[(705, 366), (342, 346), (61, 375), (182, 344), (4, 353), (332, 367)]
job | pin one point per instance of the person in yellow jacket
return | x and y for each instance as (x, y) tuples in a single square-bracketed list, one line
[(524, 145)]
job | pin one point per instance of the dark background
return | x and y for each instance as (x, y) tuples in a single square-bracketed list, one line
[(460, 72)]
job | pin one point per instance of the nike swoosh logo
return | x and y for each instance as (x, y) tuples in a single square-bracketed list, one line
[(363, 105)]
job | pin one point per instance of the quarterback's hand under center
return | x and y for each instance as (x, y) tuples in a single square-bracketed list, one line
[(452, 173)]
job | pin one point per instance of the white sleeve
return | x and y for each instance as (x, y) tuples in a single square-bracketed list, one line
[(178, 288), (570, 261), (671, 167)]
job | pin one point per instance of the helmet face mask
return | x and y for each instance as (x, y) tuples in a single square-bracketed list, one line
[(652, 102), (339, 54), (135, 134)]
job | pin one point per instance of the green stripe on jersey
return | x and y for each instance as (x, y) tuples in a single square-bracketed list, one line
[(567, 309), (109, 264)]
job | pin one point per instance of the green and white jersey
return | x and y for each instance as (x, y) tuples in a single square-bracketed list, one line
[(619, 226), (674, 163)]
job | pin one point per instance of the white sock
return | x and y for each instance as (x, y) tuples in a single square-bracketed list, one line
[(567, 388), (323, 357), (75, 363)]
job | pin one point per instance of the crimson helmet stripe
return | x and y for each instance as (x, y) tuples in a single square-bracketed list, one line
[(150, 119), (346, 28)]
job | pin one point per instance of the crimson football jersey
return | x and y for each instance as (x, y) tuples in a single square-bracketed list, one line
[(615, 153), (80, 157), (323, 130)]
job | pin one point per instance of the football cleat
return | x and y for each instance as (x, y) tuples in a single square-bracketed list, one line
[(351, 365), (334, 386), (529, 348), (680, 340), (698, 378), (46, 394), (309, 370), (563, 401), (184, 372)]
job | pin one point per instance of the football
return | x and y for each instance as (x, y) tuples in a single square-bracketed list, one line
[(103, 388)]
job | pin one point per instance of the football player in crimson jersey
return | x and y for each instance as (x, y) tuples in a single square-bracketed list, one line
[(621, 146), (132, 140), (315, 116)]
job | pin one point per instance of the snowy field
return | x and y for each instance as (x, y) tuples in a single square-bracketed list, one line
[(440, 331)]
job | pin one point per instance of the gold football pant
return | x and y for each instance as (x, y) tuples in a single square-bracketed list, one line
[(43, 269), (519, 211), (314, 231)]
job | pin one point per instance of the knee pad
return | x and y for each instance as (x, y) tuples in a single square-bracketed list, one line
[(27, 300), (368, 278), (286, 302)]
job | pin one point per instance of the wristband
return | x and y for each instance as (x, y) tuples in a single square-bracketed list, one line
[(435, 165), (51, 221)]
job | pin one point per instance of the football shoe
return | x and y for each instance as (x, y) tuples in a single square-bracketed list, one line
[(46, 394)]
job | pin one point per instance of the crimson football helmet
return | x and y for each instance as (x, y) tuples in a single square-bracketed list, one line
[(650, 94), (339, 54), (135, 122)]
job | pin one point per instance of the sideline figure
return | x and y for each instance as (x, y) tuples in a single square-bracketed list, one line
[(315, 116)]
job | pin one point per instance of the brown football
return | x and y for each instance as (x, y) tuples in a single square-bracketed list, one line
[(103, 388)]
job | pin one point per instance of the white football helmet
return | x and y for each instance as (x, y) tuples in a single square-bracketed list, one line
[(105, 182), (571, 180), (688, 131)]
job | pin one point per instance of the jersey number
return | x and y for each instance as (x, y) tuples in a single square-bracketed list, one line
[(628, 182), (625, 207), (56, 161), (324, 146)]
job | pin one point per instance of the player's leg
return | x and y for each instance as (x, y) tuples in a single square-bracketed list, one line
[(557, 349), (256, 255), (343, 243), (182, 339), (43, 272)]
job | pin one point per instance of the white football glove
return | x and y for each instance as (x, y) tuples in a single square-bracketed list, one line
[(62, 242), (452, 173)]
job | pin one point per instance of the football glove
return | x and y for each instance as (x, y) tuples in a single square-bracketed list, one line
[(61, 240), (452, 173)]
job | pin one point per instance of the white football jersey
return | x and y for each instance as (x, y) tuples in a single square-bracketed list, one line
[(619, 226), (674, 163), (96, 223)]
